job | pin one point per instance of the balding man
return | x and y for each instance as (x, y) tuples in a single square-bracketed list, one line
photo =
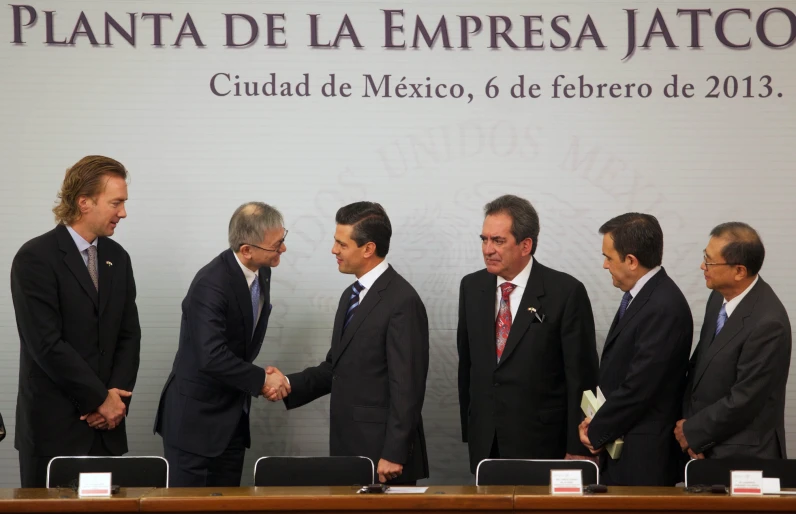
[(203, 414), (735, 400)]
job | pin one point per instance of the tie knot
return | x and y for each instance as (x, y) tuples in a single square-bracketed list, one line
[(506, 288), (357, 288), (626, 297), (723, 311)]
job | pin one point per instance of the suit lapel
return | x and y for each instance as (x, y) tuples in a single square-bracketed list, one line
[(534, 290), (252, 350), (486, 306), (372, 298), (634, 308), (105, 260), (242, 292), (74, 261), (731, 329)]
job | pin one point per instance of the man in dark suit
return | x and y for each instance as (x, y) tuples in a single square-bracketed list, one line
[(203, 414), (74, 298), (734, 405), (377, 365), (526, 346), (644, 361)]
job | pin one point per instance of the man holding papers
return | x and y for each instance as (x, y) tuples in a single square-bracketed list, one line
[(644, 361)]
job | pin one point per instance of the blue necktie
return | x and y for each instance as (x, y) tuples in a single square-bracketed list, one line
[(625, 302), (722, 319), (353, 303), (255, 291)]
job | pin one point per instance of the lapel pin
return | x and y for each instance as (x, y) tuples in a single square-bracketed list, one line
[(109, 263), (532, 310)]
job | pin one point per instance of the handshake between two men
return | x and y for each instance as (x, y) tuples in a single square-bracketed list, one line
[(276, 386)]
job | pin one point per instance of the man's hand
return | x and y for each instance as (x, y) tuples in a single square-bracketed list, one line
[(276, 386), (95, 420), (680, 435), (593, 458), (583, 431), (389, 470), (113, 408)]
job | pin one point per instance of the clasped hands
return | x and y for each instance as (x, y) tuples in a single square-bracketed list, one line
[(111, 413), (680, 436), (276, 386)]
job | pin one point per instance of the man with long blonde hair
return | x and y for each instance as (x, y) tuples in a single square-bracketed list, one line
[(74, 299)]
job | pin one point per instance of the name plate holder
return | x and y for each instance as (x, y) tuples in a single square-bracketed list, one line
[(566, 481), (94, 485)]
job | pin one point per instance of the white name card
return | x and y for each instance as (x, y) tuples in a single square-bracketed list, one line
[(746, 483), (94, 484), (566, 481)]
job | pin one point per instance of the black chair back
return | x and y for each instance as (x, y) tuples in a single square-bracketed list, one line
[(530, 471), (312, 471), (717, 471), (125, 471)]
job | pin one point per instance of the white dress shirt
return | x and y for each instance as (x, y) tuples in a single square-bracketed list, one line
[(730, 306), (641, 282), (82, 244), (251, 276), (520, 281), (368, 279)]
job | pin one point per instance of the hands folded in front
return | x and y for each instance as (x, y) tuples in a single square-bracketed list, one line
[(111, 413), (276, 386)]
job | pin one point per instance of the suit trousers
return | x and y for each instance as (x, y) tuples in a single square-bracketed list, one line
[(191, 470), (33, 468)]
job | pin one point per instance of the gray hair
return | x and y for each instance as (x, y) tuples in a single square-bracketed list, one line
[(524, 220), (249, 223)]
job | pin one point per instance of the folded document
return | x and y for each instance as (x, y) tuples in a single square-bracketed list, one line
[(590, 404)]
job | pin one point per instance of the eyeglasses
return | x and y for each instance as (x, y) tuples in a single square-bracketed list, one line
[(277, 248), (707, 264)]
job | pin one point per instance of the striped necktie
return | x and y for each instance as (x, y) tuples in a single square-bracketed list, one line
[(353, 303)]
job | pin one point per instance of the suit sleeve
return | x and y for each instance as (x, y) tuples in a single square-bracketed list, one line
[(310, 384), (660, 342), (127, 356), (34, 290), (463, 347), (579, 347), (407, 369), (206, 322), (763, 361)]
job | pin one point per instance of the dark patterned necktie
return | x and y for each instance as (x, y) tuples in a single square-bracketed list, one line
[(625, 302), (353, 303), (92, 265)]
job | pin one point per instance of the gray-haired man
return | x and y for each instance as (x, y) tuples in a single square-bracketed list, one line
[(203, 414)]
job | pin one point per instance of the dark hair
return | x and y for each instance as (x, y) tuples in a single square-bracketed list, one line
[(524, 220), (636, 234), (744, 246), (87, 177), (370, 223)]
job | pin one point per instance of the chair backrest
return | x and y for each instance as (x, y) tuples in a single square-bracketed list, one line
[(530, 471), (313, 471), (717, 471), (125, 471)]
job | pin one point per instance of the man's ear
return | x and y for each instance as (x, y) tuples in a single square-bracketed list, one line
[(632, 261), (370, 250)]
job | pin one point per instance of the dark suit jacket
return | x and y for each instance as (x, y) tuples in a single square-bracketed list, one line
[(532, 398), (75, 342), (213, 375), (735, 402), (376, 372), (642, 375)]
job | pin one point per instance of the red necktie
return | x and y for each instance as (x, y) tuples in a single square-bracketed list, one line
[(503, 322)]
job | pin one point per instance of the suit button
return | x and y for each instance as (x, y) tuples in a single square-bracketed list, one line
[(102, 352), (334, 377), (497, 384)]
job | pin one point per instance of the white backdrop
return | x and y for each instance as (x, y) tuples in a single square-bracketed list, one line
[(432, 162)]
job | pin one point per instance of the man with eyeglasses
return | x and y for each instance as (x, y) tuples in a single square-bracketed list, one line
[(203, 414), (734, 404)]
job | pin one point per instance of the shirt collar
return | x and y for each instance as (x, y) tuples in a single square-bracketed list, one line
[(248, 274), (521, 280), (368, 279), (732, 304), (640, 283), (82, 244)]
